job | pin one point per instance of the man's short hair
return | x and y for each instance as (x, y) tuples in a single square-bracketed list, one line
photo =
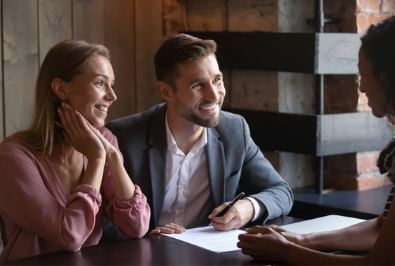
[(179, 48)]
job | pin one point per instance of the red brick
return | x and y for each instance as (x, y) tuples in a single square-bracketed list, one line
[(388, 6), (370, 6), (364, 108), (364, 21), (369, 182), (362, 100), (366, 162)]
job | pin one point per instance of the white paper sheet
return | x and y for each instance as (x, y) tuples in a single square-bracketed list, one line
[(326, 223), (209, 238)]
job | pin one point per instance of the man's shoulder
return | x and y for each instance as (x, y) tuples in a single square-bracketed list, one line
[(228, 119), (134, 120)]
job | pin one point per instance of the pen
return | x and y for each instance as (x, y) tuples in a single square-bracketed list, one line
[(222, 213)]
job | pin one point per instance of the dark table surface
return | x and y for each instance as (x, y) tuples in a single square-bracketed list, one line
[(365, 204), (149, 250)]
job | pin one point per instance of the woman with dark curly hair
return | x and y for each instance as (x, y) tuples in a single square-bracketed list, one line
[(271, 243)]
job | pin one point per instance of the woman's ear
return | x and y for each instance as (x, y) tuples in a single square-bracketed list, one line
[(164, 90), (58, 87)]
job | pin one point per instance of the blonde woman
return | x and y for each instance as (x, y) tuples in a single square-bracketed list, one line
[(65, 171)]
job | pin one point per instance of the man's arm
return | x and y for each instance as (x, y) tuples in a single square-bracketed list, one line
[(260, 181)]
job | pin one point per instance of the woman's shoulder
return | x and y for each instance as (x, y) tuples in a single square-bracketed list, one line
[(14, 147)]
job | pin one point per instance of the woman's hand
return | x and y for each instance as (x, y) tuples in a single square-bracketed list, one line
[(168, 229), (266, 244), (290, 236), (79, 134)]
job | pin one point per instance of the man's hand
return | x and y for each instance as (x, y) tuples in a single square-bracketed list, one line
[(168, 229), (237, 216)]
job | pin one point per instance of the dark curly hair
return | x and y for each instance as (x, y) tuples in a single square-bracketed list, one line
[(379, 46)]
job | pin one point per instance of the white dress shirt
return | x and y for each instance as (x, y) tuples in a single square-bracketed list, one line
[(187, 199)]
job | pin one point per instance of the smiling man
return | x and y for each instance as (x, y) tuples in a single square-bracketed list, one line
[(189, 157)]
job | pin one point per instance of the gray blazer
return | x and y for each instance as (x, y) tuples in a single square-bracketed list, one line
[(234, 162)]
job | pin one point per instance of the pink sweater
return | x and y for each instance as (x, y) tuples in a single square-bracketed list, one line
[(41, 217)]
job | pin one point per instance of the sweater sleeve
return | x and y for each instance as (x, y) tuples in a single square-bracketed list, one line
[(30, 198), (131, 217)]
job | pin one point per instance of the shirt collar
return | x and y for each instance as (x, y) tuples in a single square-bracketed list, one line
[(201, 142)]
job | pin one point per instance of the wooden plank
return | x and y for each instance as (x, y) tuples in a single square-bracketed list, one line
[(337, 53), (274, 131), (204, 15), (88, 20), (351, 132), (54, 23), (326, 53), (20, 40), (148, 35), (2, 126), (289, 52), (119, 38), (319, 135), (253, 15)]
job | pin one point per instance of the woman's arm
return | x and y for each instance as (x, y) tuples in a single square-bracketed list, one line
[(357, 237), (30, 196), (128, 208), (273, 244)]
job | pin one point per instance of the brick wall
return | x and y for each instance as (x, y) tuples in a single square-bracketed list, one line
[(356, 171), (370, 12)]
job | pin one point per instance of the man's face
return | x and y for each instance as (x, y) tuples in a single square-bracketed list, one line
[(199, 92)]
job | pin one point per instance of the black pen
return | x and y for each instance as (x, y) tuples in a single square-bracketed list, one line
[(222, 213)]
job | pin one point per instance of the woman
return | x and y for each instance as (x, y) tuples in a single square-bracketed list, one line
[(377, 81), (60, 175)]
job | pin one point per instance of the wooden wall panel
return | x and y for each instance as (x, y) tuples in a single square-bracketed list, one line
[(148, 36), (20, 40), (55, 23), (119, 38), (88, 21)]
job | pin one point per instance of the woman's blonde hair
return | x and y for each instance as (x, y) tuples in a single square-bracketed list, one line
[(64, 60)]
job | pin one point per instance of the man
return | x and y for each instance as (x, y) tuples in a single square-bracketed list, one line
[(188, 156)]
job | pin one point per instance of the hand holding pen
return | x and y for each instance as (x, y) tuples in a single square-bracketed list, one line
[(225, 217), (222, 213)]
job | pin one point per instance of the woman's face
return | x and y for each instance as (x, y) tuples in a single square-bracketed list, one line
[(369, 85), (91, 92)]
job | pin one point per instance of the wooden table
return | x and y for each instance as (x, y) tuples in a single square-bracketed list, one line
[(149, 250)]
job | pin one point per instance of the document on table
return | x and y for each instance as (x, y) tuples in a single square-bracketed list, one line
[(209, 238), (326, 223)]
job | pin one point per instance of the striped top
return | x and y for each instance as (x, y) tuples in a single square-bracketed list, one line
[(388, 203), (386, 163)]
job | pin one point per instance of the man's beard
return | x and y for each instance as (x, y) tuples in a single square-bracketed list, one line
[(195, 117)]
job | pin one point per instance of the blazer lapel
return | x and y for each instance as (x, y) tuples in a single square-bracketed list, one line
[(158, 161), (216, 166)]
